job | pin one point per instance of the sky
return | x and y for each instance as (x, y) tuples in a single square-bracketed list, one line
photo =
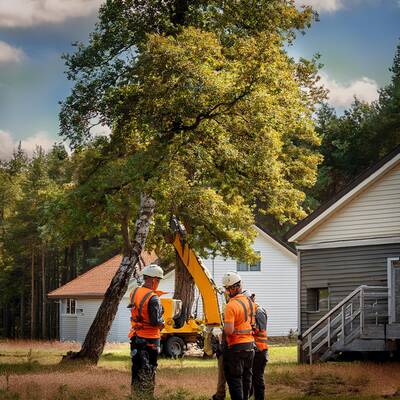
[(356, 39)]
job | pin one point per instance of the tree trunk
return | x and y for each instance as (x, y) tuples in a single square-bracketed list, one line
[(85, 255), (21, 316), (43, 295), (184, 290), (64, 268), (33, 308), (96, 337)]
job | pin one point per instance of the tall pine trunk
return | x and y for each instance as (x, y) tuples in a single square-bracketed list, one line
[(33, 305), (184, 290), (22, 315), (96, 337), (44, 330)]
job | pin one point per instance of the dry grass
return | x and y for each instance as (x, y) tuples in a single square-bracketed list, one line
[(30, 371)]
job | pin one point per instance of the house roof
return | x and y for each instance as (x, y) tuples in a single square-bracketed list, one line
[(343, 197), (278, 241), (94, 283)]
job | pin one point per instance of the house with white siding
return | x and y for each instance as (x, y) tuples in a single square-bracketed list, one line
[(349, 269), (273, 280)]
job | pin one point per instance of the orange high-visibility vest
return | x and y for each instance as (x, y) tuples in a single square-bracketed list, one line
[(260, 335), (261, 339), (240, 310), (140, 319)]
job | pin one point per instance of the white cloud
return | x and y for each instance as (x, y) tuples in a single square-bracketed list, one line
[(322, 5), (100, 130), (29, 144), (331, 6), (6, 145), (24, 13), (342, 95), (9, 54)]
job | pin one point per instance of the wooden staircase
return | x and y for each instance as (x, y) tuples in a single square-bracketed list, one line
[(358, 323)]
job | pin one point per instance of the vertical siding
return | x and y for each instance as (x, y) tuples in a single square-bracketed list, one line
[(342, 270), (373, 213)]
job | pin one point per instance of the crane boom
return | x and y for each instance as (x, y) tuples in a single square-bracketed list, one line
[(201, 276)]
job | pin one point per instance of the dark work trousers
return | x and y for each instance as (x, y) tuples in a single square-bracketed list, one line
[(144, 365), (220, 394), (237, 369), (259, 364)]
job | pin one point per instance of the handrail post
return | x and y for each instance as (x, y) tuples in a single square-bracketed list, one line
[(361, 310), (329, 333), (310, 346), (351, 316), (343, 322)]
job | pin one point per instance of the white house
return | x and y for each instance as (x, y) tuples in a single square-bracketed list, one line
[(273, 280)]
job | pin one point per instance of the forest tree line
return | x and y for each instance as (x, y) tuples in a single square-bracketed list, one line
[(41, 248)]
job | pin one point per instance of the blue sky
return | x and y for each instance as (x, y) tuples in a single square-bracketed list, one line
[(356, 39)]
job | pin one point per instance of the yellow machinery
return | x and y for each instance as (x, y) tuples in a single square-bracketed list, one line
[(174, 339)]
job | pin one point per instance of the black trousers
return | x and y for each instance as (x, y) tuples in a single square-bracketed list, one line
[(259, 364), (237, 368), (144, 365)]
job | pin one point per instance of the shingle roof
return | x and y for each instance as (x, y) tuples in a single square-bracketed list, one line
[(94, 283)]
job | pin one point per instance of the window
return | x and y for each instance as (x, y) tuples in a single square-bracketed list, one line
[(318, 299), (71, 306), (244, 266)]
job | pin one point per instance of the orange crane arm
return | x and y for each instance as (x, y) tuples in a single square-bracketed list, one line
[(202, 279)]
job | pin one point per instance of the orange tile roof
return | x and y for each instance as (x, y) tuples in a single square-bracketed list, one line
[(95, 282)]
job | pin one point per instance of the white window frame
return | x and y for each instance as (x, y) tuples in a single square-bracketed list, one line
[(68, 306), (248, 265)]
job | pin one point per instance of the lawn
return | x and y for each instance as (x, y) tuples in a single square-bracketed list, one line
[(31, 371)]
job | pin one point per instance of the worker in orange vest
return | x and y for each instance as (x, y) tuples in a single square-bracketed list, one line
[(261, 354), (238, 328), (145, 333)]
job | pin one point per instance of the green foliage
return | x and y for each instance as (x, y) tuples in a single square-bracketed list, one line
[(30, 189), (208, 114)]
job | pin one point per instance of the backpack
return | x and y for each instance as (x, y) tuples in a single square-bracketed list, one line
[(261, 319)]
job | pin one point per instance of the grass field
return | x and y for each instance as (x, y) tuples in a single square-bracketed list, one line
[(31, 371)]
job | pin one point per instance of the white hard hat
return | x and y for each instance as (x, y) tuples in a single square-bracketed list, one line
[(230, 278), (154, 271)]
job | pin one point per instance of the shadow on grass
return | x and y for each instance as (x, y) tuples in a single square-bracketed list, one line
[(115, 357), (34, 366)]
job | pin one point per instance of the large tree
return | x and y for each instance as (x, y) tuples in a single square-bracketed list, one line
[(208, 114)]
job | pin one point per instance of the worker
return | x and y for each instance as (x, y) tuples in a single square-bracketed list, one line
[(146, 324), (261, 353), (238, 329), (219, 345)]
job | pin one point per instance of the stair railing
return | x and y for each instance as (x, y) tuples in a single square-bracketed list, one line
[(345, 322)]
